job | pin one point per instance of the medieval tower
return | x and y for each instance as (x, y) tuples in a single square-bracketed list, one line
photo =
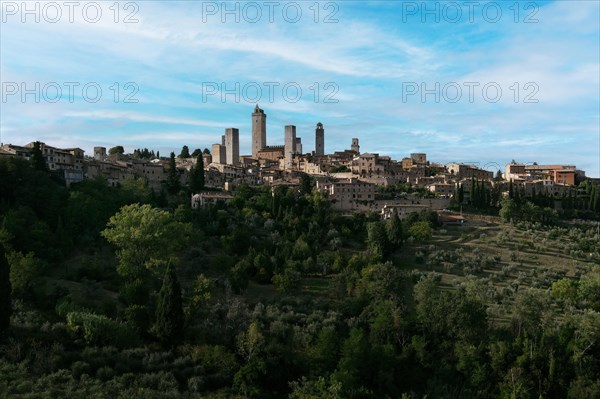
[(259, 130)]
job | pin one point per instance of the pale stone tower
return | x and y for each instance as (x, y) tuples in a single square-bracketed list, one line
[(319, 140), (259, 130), (290, 145), (232, 146), (355, 147), (219, 153)]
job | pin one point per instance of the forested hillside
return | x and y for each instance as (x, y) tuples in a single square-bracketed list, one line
[(121, 292)]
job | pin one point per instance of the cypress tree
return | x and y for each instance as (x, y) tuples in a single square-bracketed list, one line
[(595, 199), (173, 184), (169, 311), (473, 193), (377, 239), (37, 158), (393, 228), (482, 194), (5, 291), (197, 175)]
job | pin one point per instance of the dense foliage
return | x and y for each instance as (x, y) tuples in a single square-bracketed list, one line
[(117, 293)]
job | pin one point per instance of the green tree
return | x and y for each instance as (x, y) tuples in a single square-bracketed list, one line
[(173, 183), (393, 227), (196, 152), (116, 150), (460, 195), (169, 310), (145, 238), (594, 202), (37, 158), (315, 389), (305, 183), (377, 240), (324, 352), (421, 231), (197, 175), (354, 366), (508, 210), (185, 152), (5, 291), (24, 270)]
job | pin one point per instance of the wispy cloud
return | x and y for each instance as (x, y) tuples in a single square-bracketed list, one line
[(370, 54), (136, 117)]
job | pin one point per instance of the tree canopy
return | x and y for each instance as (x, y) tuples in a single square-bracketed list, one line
[(145, 238)]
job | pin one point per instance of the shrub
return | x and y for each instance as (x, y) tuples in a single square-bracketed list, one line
[(101, 330), (79, 368)]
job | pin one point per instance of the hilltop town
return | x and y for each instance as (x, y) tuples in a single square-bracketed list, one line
[(352, 181), (294, 274)]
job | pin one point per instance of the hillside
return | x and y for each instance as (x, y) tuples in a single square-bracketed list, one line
[(120, 292)]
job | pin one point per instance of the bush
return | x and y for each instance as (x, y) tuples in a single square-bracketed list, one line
[(101, 330), (79, 368), (105, 373), (286, 281)]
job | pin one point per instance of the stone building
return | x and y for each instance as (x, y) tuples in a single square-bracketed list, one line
[(419, 158), (100, 153), (219, 154), (232, 146), (271, 153), (442, 189), (348, 194), (462, 171), (514, 171), (290, 146), (259, 130), (319, 140), (355, 147)]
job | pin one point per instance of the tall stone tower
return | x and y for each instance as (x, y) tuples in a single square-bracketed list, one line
[(290, 145), (232, 146), (259, 130), (319, 140), (355, 147), (219, 154)]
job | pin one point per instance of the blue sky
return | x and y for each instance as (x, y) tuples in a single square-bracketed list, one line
[(372, 58)]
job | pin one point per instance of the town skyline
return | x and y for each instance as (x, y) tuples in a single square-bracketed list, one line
[(274, 138), (393, 85)]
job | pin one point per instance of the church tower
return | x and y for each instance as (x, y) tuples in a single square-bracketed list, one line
[(355, 147), (259, 130)]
